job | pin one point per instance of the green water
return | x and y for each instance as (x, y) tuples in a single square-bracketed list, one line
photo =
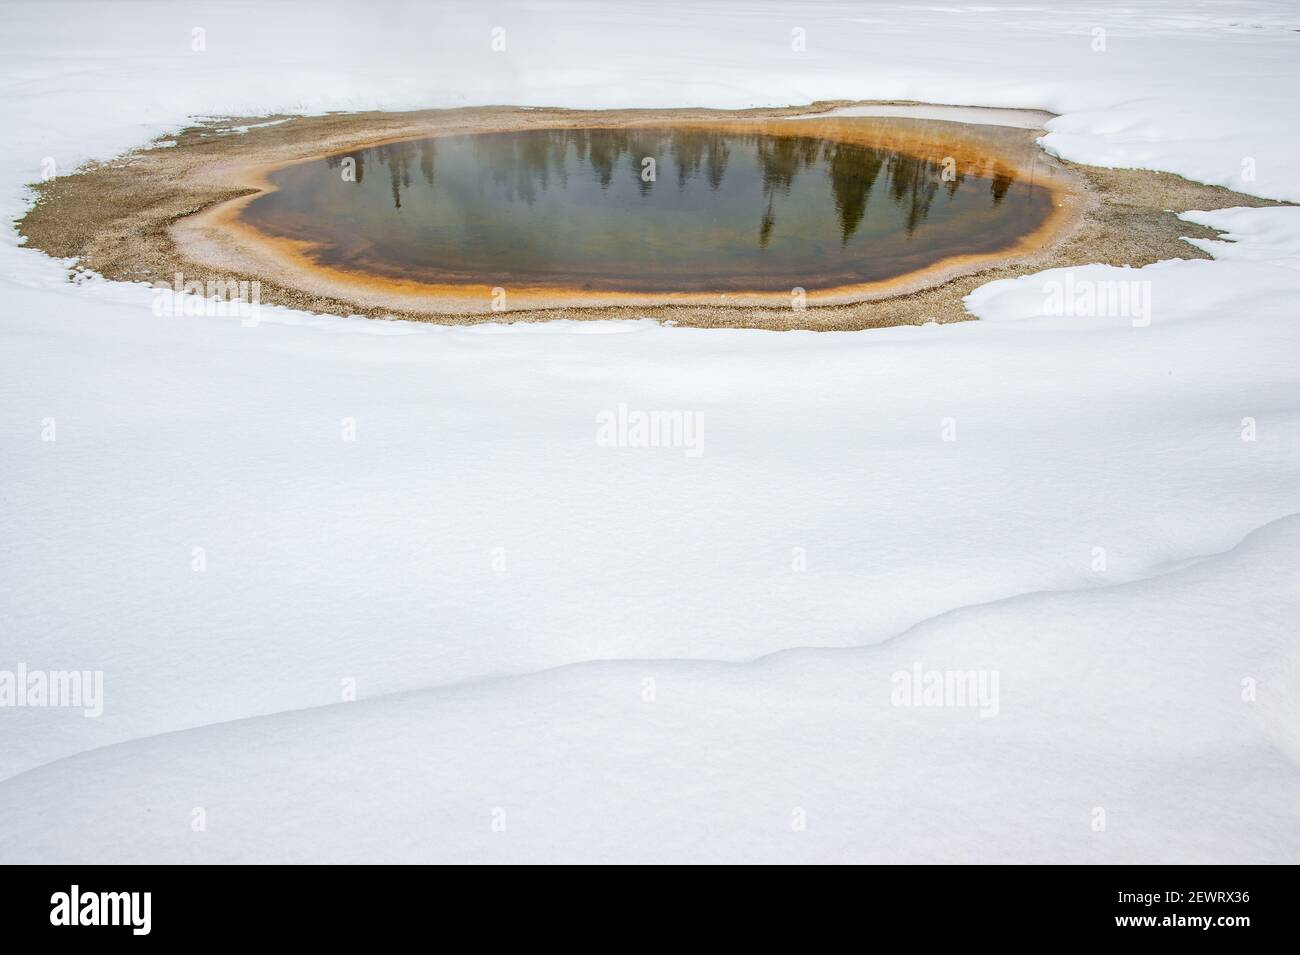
[(715, 211)]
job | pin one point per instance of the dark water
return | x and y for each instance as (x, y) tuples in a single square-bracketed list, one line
[(726, 211)]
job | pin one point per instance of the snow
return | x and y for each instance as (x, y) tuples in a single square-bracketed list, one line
[(1121, 697), (562, 651)]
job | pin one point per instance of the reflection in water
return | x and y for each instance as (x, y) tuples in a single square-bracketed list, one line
[(588, 206), (524, 165)]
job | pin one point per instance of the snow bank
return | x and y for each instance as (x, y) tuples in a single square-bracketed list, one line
[(1259, 253), (1121, 704)]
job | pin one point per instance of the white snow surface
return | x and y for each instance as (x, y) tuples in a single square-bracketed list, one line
[(648, 678)]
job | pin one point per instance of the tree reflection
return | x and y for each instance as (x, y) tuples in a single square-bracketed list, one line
[(853, 172), (523, 165), (695, 150)]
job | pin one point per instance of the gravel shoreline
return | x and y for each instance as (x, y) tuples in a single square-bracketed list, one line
[(174, 207)]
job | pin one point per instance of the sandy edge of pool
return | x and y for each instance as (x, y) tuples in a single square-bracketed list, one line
[(174, 207)]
